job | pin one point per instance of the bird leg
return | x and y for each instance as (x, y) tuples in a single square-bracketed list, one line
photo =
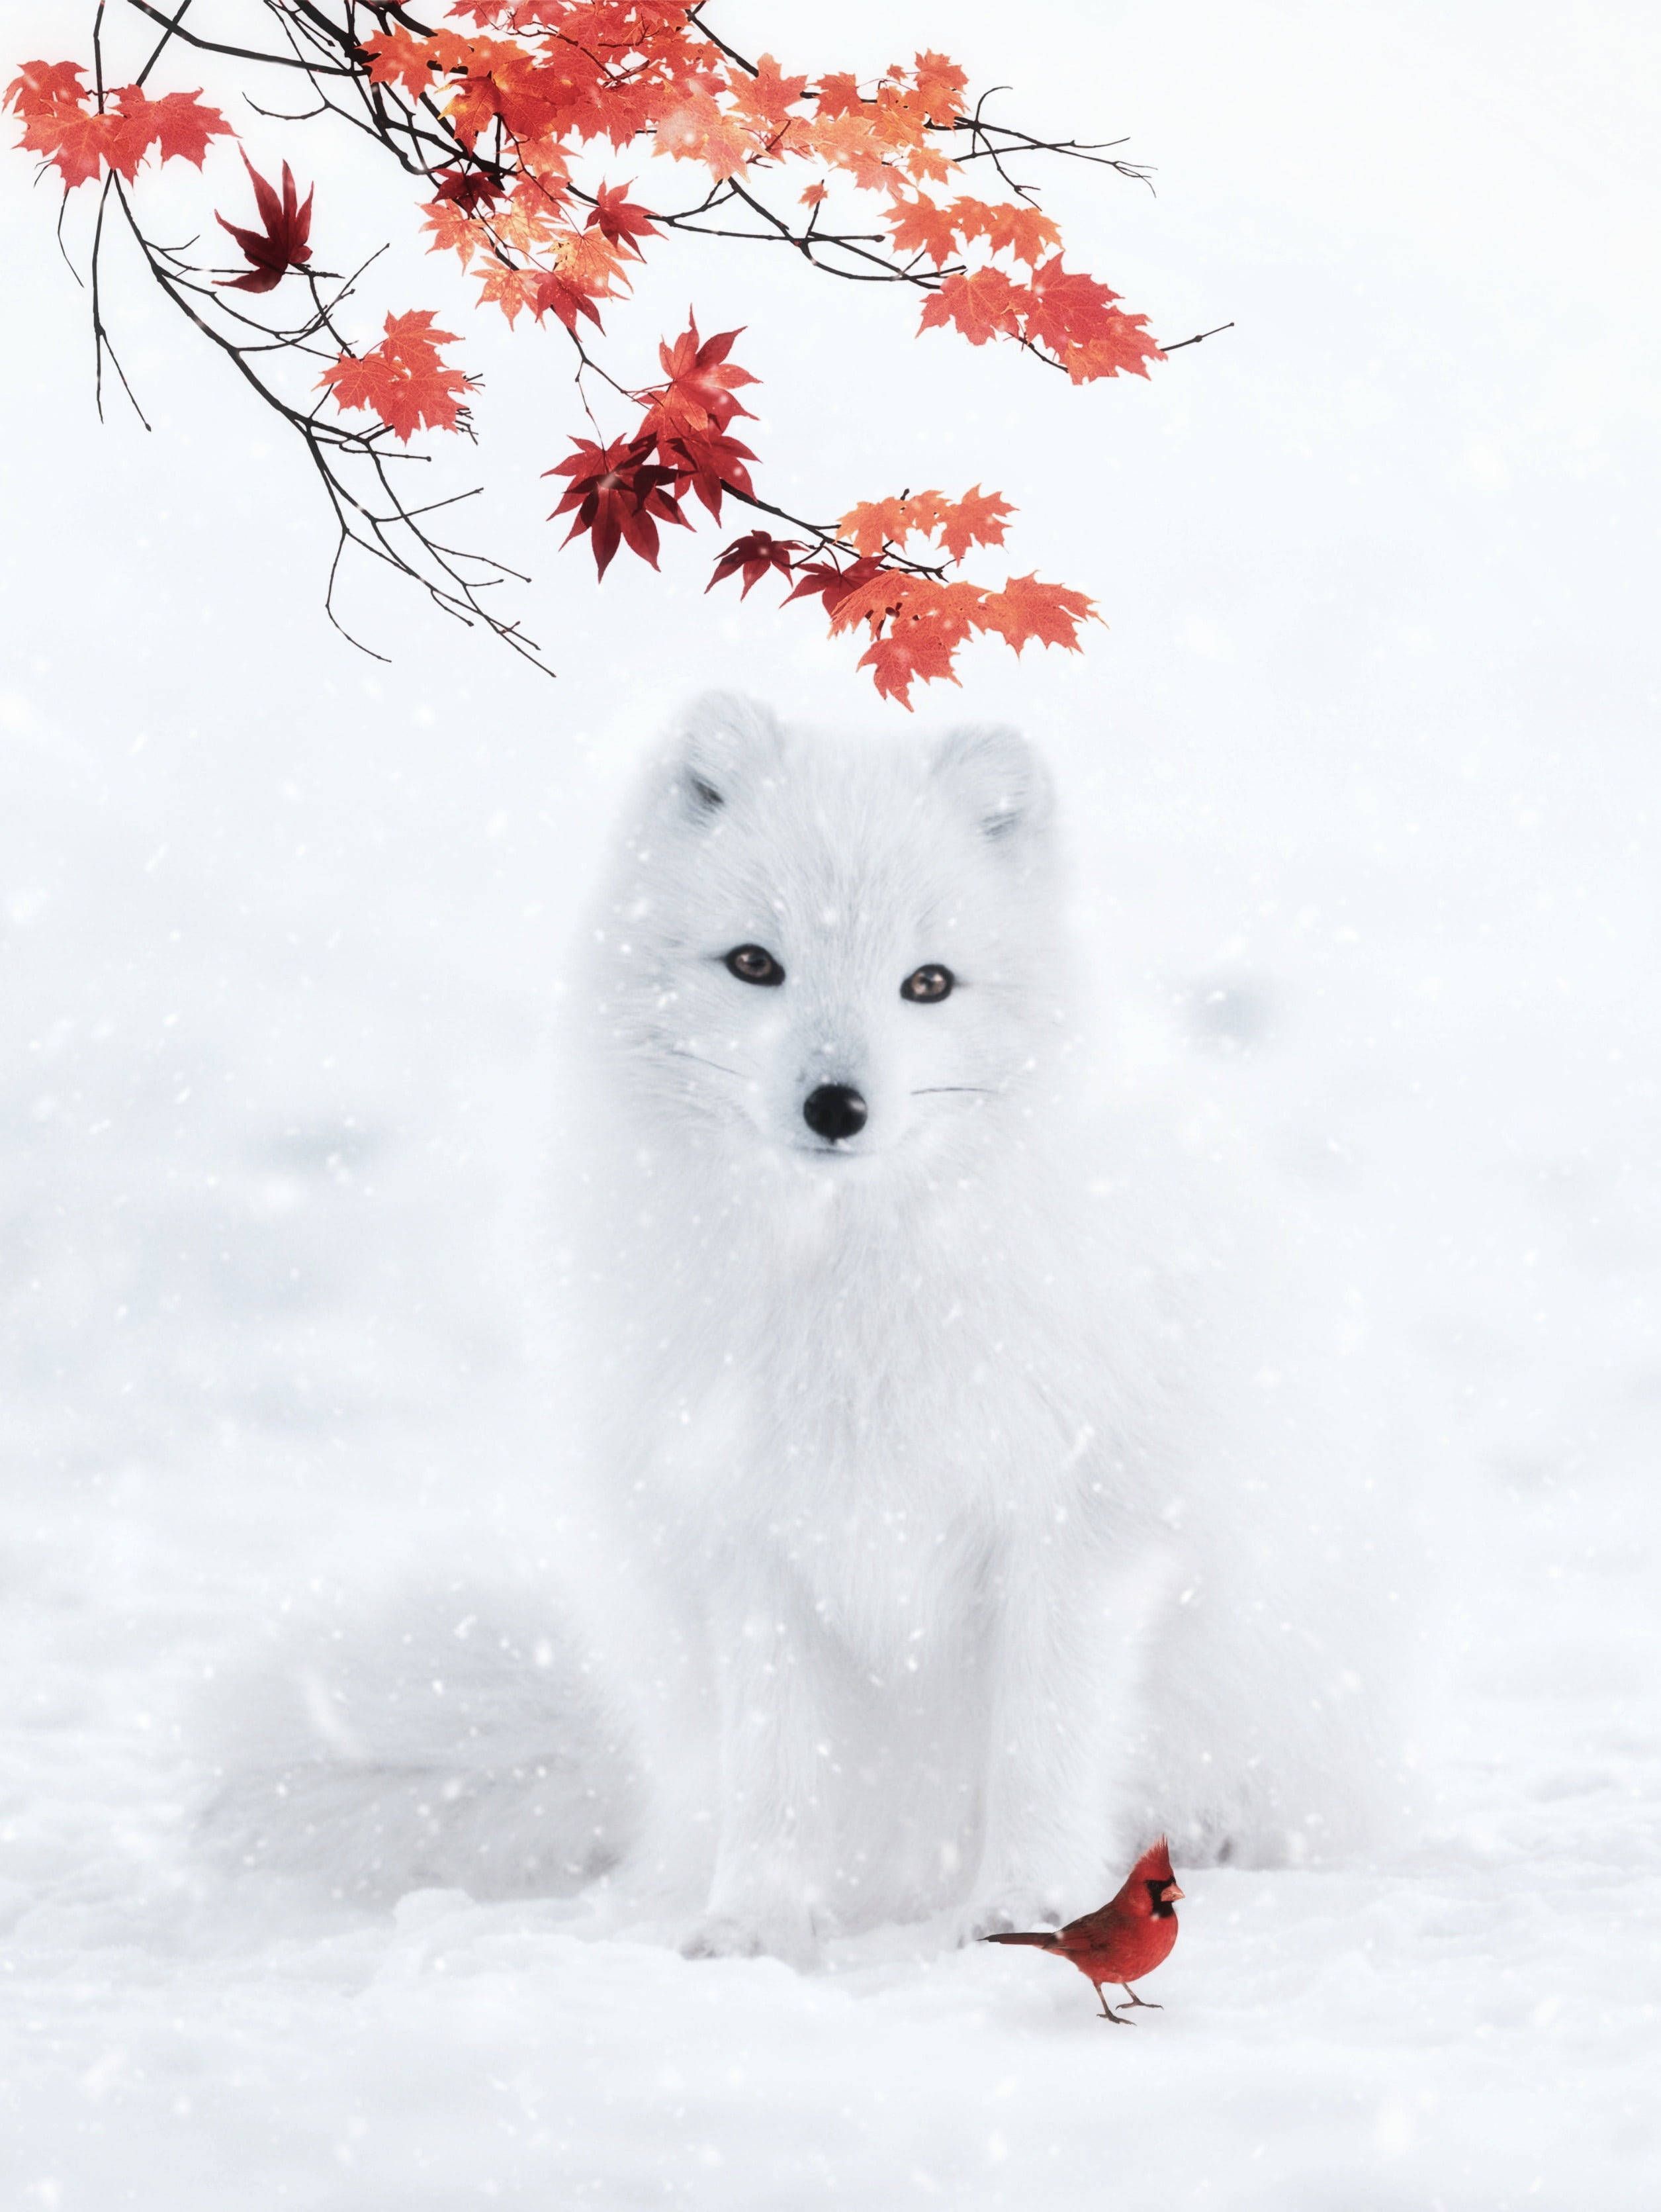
[(1147, 2003), (1108, 2012)]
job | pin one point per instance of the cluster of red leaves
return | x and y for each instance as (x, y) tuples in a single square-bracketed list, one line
[(403, 380), (574, 74), (620, 492), (525, 89), (86, 139), (566, 75), (1059, 312), (914, 623), (915, 619)]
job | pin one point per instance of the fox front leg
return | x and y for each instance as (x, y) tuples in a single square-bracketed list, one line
[(769, 1812), (1065, 1642)]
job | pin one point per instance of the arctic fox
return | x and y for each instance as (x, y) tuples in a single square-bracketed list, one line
[(964, 1581), (967, 1561)]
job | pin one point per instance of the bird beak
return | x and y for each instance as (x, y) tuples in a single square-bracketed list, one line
[(1171, 1892)]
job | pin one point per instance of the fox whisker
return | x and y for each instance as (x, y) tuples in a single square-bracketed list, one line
[(720, 1067)]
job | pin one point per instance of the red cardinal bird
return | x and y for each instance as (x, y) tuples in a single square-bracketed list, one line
[(1130, 1936)]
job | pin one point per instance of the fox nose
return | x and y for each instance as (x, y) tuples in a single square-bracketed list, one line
[(834, 1110)]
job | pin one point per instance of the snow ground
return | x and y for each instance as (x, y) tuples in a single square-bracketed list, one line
[(1362, 790)]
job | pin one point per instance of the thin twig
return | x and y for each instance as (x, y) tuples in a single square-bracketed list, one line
[(1198, 338)]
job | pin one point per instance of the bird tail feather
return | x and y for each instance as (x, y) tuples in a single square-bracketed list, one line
[(1044, 1939)]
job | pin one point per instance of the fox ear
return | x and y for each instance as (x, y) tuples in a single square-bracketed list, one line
[(1000, 780), (722, 739)]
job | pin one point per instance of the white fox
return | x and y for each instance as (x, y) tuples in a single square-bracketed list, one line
[(968, 1561)]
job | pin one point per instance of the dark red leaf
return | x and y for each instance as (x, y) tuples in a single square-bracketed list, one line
[(285, 241), (621, 220), (619, 495), (711, 463), (470, 189), (752, 556), (823, 580)]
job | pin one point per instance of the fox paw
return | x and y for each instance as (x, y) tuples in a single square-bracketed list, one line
[(784, 1932)]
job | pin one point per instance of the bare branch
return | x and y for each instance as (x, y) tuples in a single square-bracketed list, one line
[(473, 157)]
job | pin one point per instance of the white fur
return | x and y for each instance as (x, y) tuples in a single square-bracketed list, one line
[(962, 1573), (964, 1557)]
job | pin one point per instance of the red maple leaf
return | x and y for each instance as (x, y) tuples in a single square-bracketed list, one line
[(557, 295), (976, 518), (284, 243), (619, 495), (39, 86), (711, 463), (1123, 343), (702, 383), (923, 226), (51, 101), (403, 380), (177, 125), (1075, 317), (470, 189), (984, 304), (1024, 610), (621, 220), (752, 556), (824, 580), (77, 140), (917, 625)]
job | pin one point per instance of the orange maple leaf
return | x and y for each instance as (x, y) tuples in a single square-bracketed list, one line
[(976, 518), (41, 86), (512, 291), (769, 95), (82, 141), (1075, 317), (178, 124), (77, 141), (703, 383), (984, 304), (403, 378), (923, 226), (940, 85), (696, 130), (1026, 611), (1126, 344), (849, 142), (1026, 233), (839, 94), (413, 61), (917, 625), (453, 231), (875, 523)]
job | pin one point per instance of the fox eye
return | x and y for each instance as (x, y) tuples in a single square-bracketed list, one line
[(925, 985), (753, 963)]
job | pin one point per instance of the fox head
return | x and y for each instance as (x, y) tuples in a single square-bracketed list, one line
[(839, 951)]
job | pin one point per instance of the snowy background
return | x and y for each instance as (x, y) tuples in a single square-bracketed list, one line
[(1361, 788)]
